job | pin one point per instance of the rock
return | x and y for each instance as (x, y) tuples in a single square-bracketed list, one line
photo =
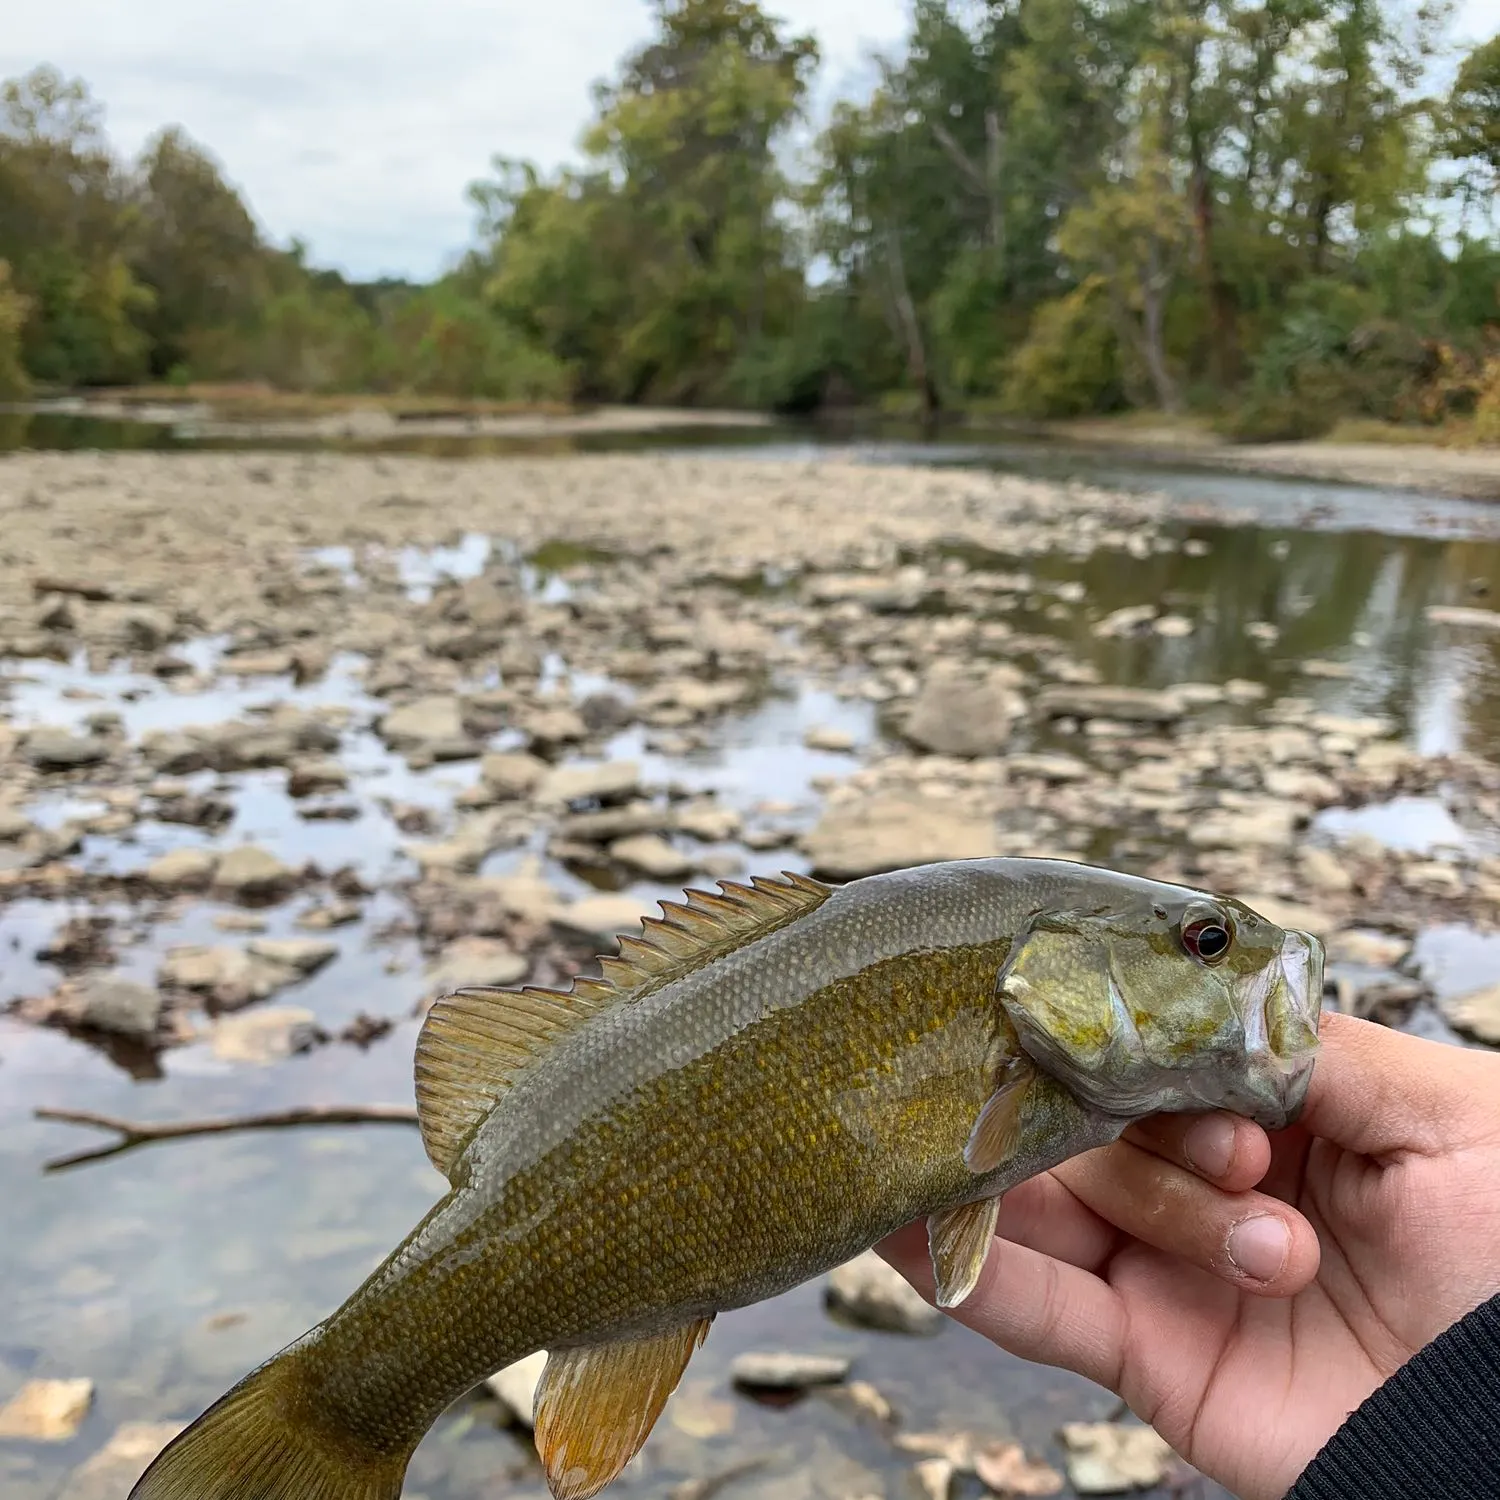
[(264, 1036), (611, 823), (828, 737), (892, 831), (787, 1371), (935, 1478), (476, 961), (114, 1469), (512, 774), (471, 842), (1004, 1469), (515, 1386), (1264, 825), (525, 892), (963, 716), (551, 728), (1048, 767), (1130, 620), (1378, 950), (1290, 914), (709, 822), (334, 914), (651, 855), (303, 955), (250, 873), (46, 1411), (175, 752), (608, 781), (600, 919), (1476, 1014), (432, 727), (129, 625), (868, 1291), (1131, 705), (63, 750), (310, 776), (14, 825), (110, 1002), (1105, 1458), (182, 870), (231, 978)]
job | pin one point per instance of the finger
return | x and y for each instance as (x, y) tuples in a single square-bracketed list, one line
[(1380, 1092), (1029, 1304), (1251, 1240), (1224, 1149)]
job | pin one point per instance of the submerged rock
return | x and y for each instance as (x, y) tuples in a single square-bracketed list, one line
[(230, 978), (1105, 1458), (870, 1292), (47, 1411), (301, 955), (264, 1036)]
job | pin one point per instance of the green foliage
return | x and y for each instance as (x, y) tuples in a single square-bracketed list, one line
[(1055, 206), (13, 312), (1069, 364)]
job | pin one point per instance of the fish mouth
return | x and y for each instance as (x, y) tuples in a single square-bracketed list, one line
[(1282, 1008)]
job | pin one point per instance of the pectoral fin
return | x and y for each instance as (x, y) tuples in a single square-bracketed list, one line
[(997, 1131), (596, 1405), (959, 1239)]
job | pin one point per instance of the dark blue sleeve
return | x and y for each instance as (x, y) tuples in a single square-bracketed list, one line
[(1433, 1429)]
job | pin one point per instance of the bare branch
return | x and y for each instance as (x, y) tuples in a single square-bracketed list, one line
[(134, 1133)]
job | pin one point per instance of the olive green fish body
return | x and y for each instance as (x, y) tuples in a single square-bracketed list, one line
[(759, 1111)]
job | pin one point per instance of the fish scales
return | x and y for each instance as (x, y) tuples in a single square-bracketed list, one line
[(906, 1046)]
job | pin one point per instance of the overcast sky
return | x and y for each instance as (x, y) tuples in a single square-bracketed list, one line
[(358, 123)]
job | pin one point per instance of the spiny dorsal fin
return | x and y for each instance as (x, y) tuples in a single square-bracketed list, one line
[(596, 1405), (476, 1040)]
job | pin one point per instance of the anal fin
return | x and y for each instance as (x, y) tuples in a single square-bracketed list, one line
[(596, 1405), (959, 1239), (997, 1130)]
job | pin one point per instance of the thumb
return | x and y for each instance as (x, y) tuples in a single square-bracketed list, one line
[(1379, 1092)]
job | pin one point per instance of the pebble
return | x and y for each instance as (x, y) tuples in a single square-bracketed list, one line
[(869, 1291), (1105, 1458), (758, 1370)]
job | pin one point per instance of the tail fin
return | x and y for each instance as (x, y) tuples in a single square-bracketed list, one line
[(258, 1442)]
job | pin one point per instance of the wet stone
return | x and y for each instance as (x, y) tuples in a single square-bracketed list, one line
[(1106, 1458), (250, 873), (607, 782), (650, 855), (893, 832), (510, 774), (599, 920), (264, 1036), (787, 1371), (63, 750), (515, 1386), (475, 961), (47, 1411), (872, 1293), (183, 870), (302, 955), (112, 1003)]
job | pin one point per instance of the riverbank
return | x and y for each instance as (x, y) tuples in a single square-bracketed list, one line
[(291, 741)]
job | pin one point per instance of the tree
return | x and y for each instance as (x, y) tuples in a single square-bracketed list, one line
[(197, 248)]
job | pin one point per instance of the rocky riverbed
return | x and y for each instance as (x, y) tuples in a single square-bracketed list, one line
[(291, 743)]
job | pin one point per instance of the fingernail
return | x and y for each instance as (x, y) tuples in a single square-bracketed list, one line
[(1259, 1247), (1209, 1145)]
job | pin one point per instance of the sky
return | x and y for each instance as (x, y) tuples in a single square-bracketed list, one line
[(357, 124)]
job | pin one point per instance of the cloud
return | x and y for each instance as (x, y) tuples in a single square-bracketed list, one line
[(357, 124)]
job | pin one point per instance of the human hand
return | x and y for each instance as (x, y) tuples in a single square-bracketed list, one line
[(1244, 1294)]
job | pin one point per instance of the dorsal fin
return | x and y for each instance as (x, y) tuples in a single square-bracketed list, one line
[(476, 1040)]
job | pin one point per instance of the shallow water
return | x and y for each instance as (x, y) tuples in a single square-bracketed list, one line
[(165, 1273)]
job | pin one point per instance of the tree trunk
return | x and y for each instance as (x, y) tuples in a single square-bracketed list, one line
[(906, 311)]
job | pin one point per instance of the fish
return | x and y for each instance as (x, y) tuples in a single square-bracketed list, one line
[(770, 1079)]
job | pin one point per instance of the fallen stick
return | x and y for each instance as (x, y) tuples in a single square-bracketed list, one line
[(135, 1133)]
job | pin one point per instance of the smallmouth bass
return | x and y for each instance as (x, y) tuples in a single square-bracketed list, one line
[(767, 1082)]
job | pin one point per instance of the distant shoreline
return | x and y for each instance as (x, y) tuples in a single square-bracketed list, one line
[(1392, 458)]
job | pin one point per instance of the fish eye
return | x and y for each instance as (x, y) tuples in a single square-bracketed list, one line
[(1207, 939)]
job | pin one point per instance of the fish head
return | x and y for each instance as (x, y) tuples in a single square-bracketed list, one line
[(1162, 999)]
